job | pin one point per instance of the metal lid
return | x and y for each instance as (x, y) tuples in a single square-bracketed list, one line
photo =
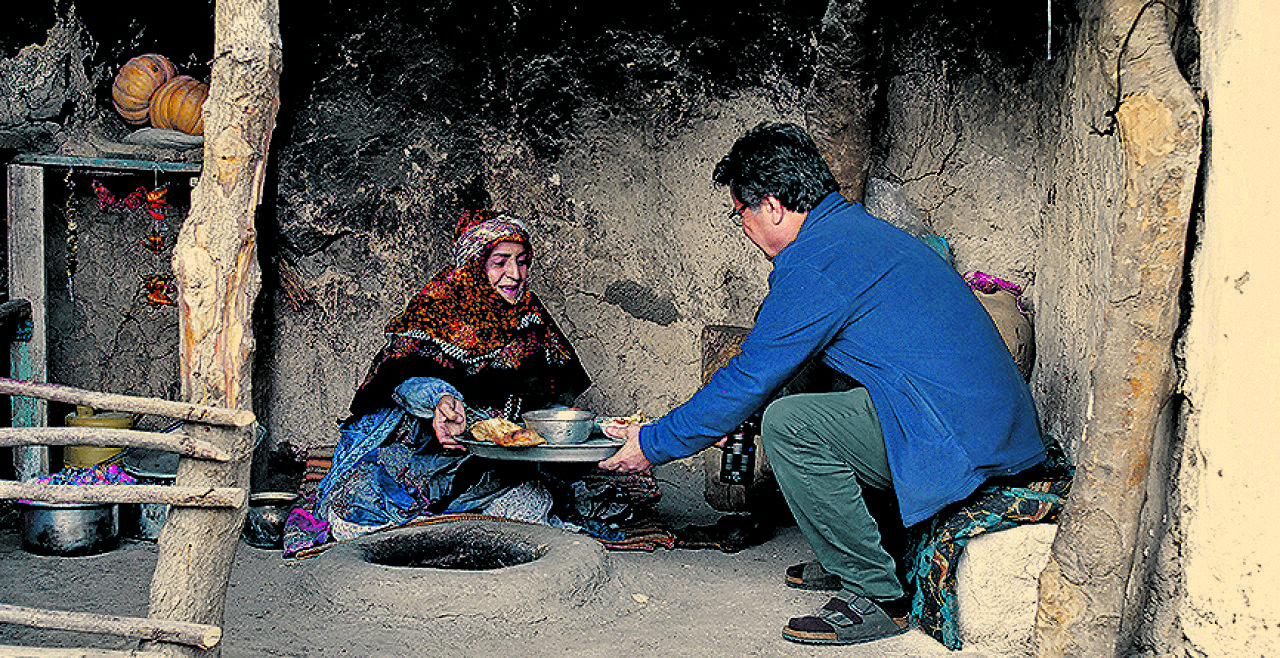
[(85, 416), (154, 464)]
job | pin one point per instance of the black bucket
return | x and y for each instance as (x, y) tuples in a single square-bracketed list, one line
[(144, 520)]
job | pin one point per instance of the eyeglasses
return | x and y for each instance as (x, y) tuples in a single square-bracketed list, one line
[(735, 215)]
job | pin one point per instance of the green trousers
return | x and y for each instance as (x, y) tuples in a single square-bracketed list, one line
[(824, 449)]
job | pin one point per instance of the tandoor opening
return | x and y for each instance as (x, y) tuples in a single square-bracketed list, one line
[(465, 549)]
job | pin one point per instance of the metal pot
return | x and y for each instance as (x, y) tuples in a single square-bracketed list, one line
[(144, 520), (69, 529), (264, 524)]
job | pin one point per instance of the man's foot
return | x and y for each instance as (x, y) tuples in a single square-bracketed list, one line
[(811, 575), (845, 619)]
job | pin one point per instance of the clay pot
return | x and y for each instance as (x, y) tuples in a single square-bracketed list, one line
[(1015, 328)]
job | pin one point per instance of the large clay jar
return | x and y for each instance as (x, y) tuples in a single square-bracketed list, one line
[(137, 80), (177, 105), (1015, 328)]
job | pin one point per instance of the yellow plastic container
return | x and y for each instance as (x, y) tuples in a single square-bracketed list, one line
[(93, 455)]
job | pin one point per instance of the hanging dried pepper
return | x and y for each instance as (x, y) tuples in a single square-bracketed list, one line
[(153, 201), (154, 242), (160, 290)]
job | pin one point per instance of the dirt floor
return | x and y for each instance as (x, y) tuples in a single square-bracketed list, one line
[(669, 602)]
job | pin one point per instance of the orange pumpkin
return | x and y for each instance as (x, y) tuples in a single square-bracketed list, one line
[(178, 103), (136, 81)]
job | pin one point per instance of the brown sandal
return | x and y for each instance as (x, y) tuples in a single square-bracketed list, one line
[(811, 575), (845, 619)]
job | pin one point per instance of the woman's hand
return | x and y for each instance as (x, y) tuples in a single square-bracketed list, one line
[(450, 422), (629, 458)]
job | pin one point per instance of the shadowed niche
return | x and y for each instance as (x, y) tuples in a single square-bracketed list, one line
[(641, 302)]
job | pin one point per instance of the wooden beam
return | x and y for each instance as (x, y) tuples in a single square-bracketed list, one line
[(841, 98), (203, 636), (1091, 593), (28, 359), (164, 494), (176, 442), (196, 413), (59, 652)]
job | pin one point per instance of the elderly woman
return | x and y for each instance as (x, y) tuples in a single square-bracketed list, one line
[(475, 343)]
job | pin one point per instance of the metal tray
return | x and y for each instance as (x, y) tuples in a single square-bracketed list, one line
[(597, 448)]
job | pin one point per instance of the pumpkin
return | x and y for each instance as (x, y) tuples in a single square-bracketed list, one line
[(136, 82), (178, 103)]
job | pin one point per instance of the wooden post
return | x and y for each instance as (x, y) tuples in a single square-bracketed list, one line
[(842, 95), (1094, 574), (216, 267), (28, 358)]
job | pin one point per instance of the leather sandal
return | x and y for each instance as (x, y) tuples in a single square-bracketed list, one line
[(811, 575), (845, 619)]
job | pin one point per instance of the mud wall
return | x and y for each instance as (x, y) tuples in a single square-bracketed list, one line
[(1077, 233), (972, 150), (106, 335), (602, 130), (1229, 465), (634, 253)]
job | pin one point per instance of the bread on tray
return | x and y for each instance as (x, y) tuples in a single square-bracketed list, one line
[(505, 433)]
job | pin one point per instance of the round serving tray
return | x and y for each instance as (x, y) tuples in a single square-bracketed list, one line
[(597, 448)]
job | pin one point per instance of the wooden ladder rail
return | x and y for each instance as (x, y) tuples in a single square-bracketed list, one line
[(215, 435)]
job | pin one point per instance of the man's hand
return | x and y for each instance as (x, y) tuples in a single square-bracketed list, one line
[(450, 422), (629, 458)]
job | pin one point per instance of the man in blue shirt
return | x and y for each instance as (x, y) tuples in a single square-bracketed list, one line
[(940, 407)]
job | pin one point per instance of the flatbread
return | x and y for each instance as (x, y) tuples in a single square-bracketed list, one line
[(637, 418), (493, 429), (505, 433), (520, 438)]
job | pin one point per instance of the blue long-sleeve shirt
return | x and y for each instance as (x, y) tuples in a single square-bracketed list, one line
[(880, 306)]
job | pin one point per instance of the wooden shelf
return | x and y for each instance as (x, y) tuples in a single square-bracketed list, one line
[(115, 164)]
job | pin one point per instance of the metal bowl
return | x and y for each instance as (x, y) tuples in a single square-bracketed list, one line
[(561, 426), (264, 524)]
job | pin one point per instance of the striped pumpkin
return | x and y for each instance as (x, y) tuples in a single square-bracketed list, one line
[(177, 105), (136, 82)]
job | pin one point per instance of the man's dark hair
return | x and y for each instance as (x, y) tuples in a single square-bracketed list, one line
[(778, 159)]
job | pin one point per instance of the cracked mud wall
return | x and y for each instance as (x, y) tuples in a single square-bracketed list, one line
[(105, 334), (973, 152)]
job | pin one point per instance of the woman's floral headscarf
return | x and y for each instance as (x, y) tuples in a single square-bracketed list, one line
[(458, 328)]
